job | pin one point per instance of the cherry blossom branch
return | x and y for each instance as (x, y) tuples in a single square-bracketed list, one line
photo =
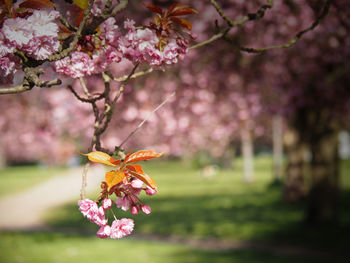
[(65, 52), (146, 119), (291, 42), (133, 76), (31, 79), (107, 13), (233, 23)]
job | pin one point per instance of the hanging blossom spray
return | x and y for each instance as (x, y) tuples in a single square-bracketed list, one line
[(125, 182)]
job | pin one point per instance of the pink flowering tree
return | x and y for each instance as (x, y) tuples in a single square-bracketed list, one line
[(81, 44)]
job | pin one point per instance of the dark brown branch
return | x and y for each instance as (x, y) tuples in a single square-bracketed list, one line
[(291, 42), (78, 34), (233, 23), (31, 79)]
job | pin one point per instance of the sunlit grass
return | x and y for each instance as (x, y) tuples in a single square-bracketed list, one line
[(187, 205), (221, 207), (18, 178), (58, 248)]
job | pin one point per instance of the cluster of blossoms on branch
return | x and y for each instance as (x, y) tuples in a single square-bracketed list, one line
[(126, 182), (32, 30), (36, 36)]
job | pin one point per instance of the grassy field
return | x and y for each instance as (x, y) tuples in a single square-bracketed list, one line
[(18, 178), (221, 207), (58, 248)]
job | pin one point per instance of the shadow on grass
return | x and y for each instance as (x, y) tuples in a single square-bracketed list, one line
[(255, 216), (54, 247)]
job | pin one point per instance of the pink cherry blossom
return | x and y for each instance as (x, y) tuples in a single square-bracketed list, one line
[(78, 64), (134, 210), (136, 183), (107, 203), (121, 228), (88, 208), (146, 209), (17, 31), (99, 217), (150, 191), (124, 202), (104, 232)]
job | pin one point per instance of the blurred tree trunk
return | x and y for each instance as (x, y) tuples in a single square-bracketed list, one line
[(229, 156), (294, 183), (248, 155), (277, 134), (324, 192), (2, 156)]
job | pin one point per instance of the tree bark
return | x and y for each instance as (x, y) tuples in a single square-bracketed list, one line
[(277, 141), (323, 198), (248, 155), (294, 184)]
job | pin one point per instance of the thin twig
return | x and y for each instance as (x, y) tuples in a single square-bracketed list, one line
[(83, 84), (146, 119), (233, 23), (83, 181), (291, 42), (133, 76)]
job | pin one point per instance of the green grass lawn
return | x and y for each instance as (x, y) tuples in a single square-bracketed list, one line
[(58, 248), (220, 207), (18, 178)]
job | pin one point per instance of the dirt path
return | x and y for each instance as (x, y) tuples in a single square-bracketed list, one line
[(23, 211)]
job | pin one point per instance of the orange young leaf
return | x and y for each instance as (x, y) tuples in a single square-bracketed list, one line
[(155, 9), (81, 3), (182, 22), (36, 4), (180, 10), (100, 157), (136, 170), (142, 155), (114, 177), (115, 161)]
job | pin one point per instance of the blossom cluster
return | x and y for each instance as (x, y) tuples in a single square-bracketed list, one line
[(128, 192), (36, 36), (94, 53), (141, 46), (95, 214)]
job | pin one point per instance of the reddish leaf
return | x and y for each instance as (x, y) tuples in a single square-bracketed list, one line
[(142, 156), (64, 29), (155, 9), (114, 177), (115, 161), (132, 169), (171, 8), (180, 10), (182, 22), (80, 17), (36, 4), (136, 168)]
